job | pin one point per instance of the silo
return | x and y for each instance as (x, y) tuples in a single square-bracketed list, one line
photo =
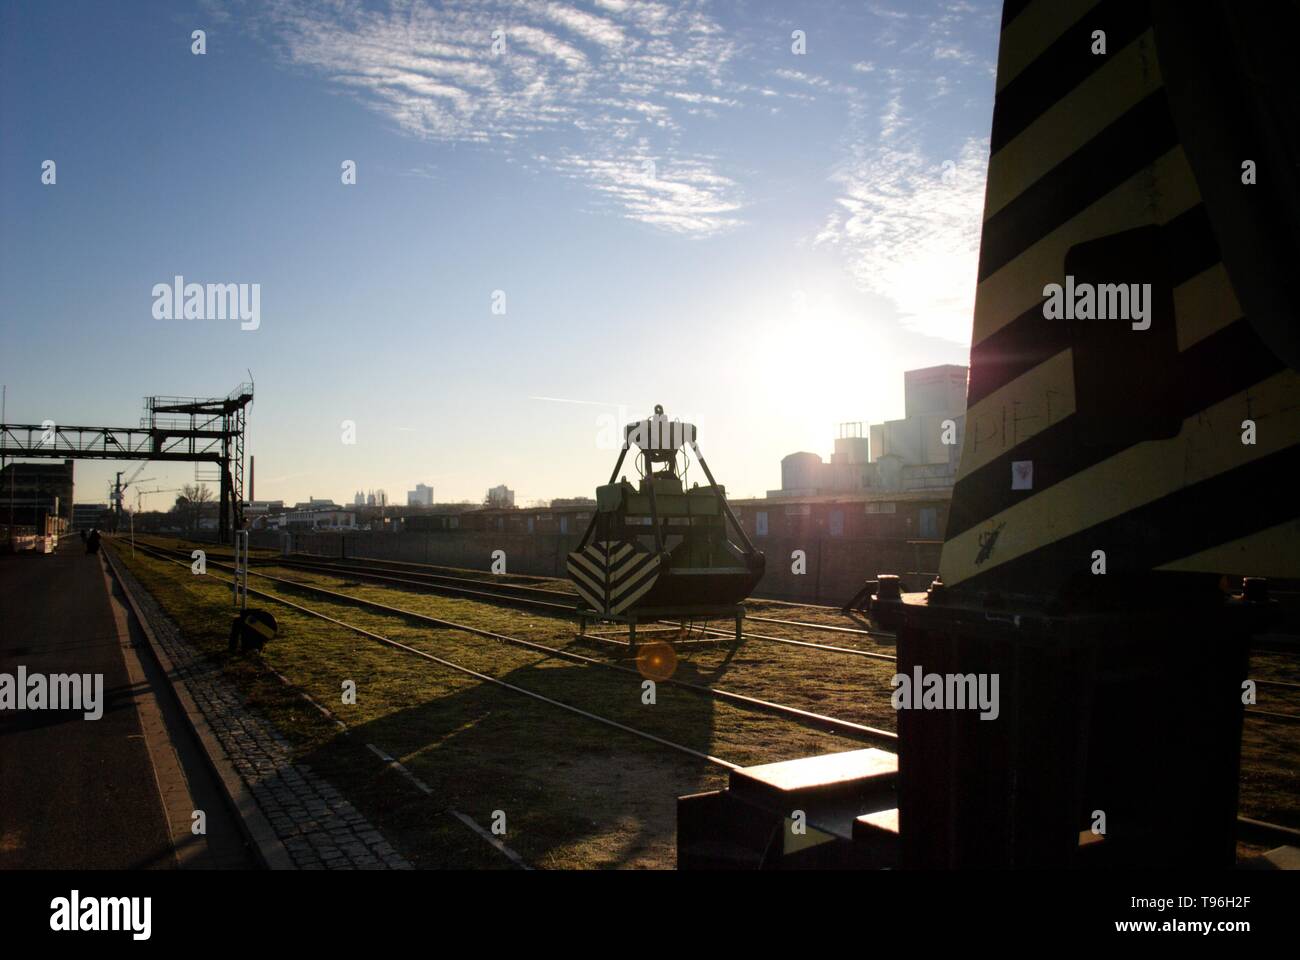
[(801, 471)]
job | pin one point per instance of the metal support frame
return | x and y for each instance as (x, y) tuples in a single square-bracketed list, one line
[(726, 507), (654, 615), (239, 585), (654, 456), (192, 430), (595, 514), (708, 474)]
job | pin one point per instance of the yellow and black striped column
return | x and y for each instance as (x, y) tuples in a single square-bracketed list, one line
[(1129, 166)]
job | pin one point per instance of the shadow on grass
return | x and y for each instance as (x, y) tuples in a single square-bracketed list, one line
[(561, 779)]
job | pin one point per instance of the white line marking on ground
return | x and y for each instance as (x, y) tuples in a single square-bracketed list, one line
[(463, 818)]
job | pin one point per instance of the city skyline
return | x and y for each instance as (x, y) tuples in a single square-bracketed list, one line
[(501, 495), (774, 214)]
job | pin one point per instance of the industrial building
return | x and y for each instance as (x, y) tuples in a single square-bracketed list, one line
[(29, 492), (918, 452), (905, 515), (329, 517), (88, 515), (881, 502)]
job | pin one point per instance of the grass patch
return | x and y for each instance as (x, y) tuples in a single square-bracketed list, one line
[(575, 793)]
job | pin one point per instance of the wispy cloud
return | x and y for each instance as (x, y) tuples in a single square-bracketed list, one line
[(684, 196), (605, 93), (612, 85), (910, 190), (909, 230)]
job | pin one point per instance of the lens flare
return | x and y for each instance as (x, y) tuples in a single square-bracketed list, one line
[(657, 661)]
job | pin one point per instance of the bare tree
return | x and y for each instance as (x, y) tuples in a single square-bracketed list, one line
[(191, 502)]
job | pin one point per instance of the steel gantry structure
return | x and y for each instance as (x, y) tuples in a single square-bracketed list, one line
[(173, 429)]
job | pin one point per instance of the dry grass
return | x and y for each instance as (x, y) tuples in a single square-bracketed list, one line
[(839, 685), (1270, 751), (576, 793), (583, 796)]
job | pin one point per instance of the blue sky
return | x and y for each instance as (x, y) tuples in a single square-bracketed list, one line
[(678, 208)]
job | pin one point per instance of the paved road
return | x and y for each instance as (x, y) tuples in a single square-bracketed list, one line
[(85, 794)]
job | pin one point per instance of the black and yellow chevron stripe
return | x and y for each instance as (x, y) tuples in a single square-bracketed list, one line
[(1098, 169), (612, 575)]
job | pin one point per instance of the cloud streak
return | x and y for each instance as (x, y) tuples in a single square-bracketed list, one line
[(604, 94), (909, 230), (906, 219), (611, 86)]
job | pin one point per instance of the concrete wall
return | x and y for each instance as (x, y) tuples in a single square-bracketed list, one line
[(539, 554), (836, 568)]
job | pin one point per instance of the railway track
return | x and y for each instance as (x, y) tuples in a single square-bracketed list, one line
[(531, 597), (552, 602), (1251, 829), (451, 665), (549, 595), (822, 722), (546, 601), (543, 598)]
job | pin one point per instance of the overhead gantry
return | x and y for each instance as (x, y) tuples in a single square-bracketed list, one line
[(173, 430)]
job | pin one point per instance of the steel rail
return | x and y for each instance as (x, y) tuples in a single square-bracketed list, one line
[(844, 727), (469, 671), (1248, 825), (567, 610)]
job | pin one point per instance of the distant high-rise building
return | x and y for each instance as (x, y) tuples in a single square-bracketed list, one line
[(421, 496), (917, 452), (500, 496), (931, 396), (359, 500), (370, 499)]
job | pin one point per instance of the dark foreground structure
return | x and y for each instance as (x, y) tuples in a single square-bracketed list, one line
[(1132, 428)]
